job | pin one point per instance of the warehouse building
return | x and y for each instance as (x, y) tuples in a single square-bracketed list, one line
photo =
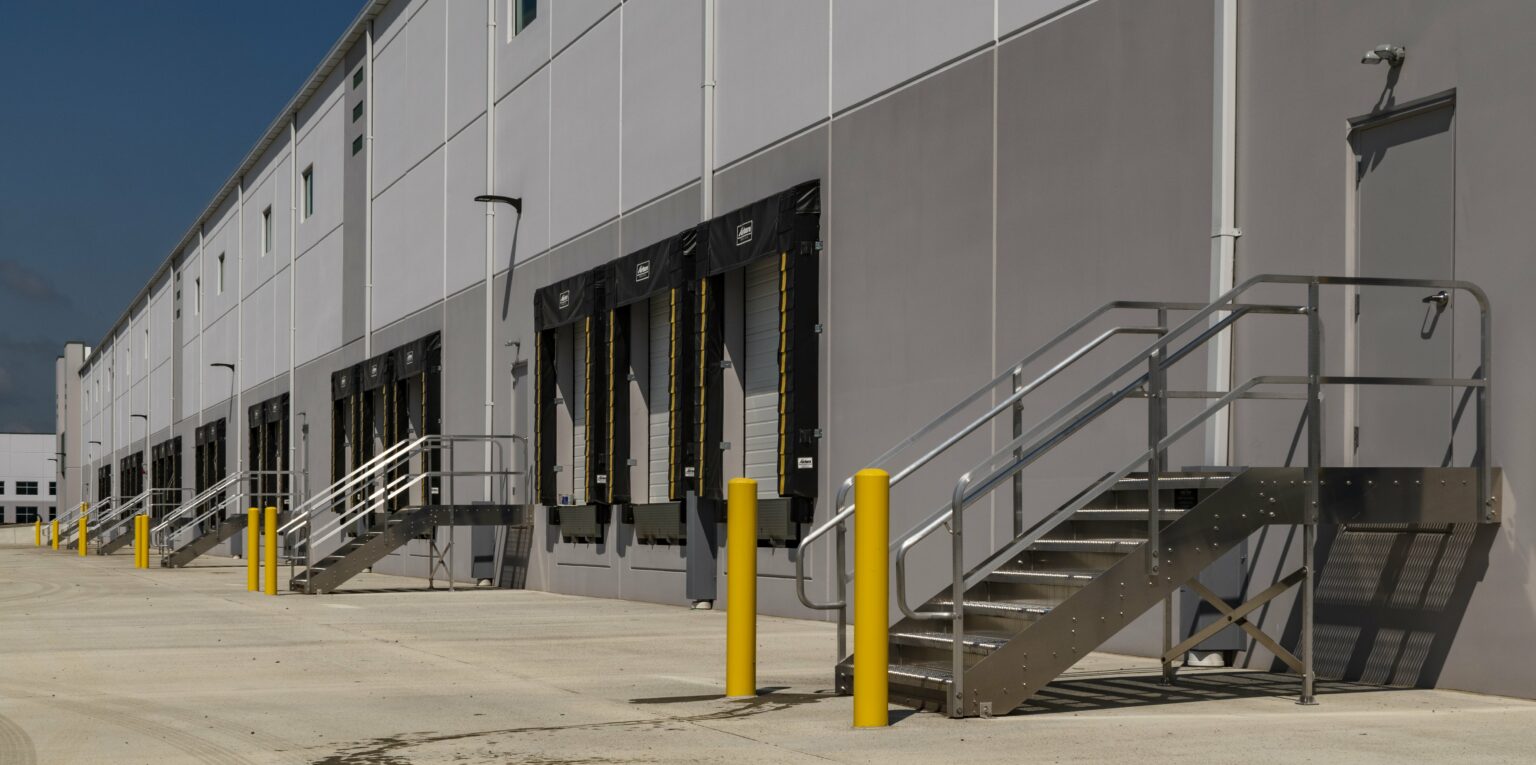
[(626, 251), (28, 478)]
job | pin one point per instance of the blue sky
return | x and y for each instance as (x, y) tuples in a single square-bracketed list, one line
[(118, 123)]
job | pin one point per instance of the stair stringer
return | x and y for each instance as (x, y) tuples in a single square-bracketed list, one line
[(199, 545), (409, 524), (1049, 646), (114, 544)]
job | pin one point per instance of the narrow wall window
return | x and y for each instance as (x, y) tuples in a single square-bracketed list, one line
[(357, 111), (357, 145), (307, 183), (523, 14), (53, 488), (266, 230), (357, 76), (220, 282)]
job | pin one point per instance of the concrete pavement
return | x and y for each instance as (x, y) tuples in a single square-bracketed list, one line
[(100, 662)]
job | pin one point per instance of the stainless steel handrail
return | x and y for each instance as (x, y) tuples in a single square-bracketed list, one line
[(126, 512), (345, 485), (69, 525), (391, 459), (1015, 458), (387, 460), (208, 503), (845, 510), (111, 514)]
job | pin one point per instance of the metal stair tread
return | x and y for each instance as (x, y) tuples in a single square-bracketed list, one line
[(1123, 514), (1072, 577), (931, 673), (1096, 543), (984, 640), (1213, 481), (1001, 607)]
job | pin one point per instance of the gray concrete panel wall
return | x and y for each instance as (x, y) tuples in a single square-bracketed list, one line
[(1102, 194), (523, 164), (663, 107), (464, 69), (584, 152), (317, 284), (1456, 623), (571, 19), (408, 242), (879, 44), (749, 34), (408, 93), (910, 216), (463, 232)]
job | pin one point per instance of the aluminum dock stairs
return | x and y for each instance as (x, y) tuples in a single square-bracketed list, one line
[(1070, 577), (204, 522), (379, 507)]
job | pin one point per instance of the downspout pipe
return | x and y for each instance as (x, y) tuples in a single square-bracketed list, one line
[(490, 235), (368, 111), (707, 169), (293, 299), (1224, 232)]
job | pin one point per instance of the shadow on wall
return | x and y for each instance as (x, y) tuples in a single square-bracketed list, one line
[(1390, 600)]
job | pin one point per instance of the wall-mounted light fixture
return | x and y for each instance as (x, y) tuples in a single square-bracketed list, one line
[(1391, 55)]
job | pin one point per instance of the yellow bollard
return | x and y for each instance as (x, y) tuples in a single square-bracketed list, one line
[(37, 533), (871, 598), (271, 562), (741, 610), (141, 541), (253, 549), (82, 535), (53, 532)]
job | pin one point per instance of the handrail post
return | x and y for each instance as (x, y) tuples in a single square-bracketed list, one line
[(957, 598), (1313, 475), (1484, 419), (840, 540), (1018, 452), (1157, 427)]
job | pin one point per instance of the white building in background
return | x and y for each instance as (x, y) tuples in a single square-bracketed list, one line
[(28, 479)]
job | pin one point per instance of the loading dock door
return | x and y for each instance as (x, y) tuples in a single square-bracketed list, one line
[(658, 394), (761, 377), (578, 409), (1405, 207)]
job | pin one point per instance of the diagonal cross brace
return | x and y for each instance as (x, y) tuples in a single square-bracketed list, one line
[(1239, 617)]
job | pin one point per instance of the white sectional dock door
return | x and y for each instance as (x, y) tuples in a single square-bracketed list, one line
[(578, 409), (761, 377), (658, 394)]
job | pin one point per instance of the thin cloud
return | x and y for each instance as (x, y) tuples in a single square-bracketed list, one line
[(27, 284)]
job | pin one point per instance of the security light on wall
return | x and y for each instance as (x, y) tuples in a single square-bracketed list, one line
[(1392, 55), (516, 202)]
